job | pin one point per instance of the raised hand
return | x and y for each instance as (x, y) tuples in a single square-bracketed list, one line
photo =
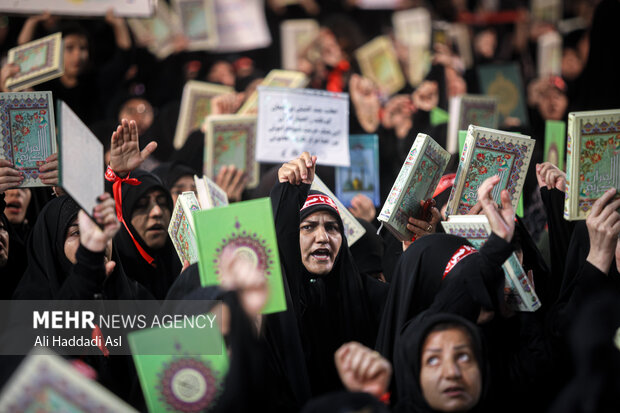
[(363, 207), (362, 369), (426, 96), (232, 181), (502, 220), (125, 155), (92, 237), (298, 171), (397, 115), (365, 99), (550, 176), (9, 176), (603, 228)]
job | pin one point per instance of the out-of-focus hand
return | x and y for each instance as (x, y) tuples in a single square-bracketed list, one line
[(363, 207), (426, 96), (92, 237), (397, 115), (8, 71), (363, 369), (365, 98)]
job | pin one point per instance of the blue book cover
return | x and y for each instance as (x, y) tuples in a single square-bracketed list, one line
[(362, 177)]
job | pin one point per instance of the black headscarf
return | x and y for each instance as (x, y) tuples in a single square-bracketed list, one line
[(407, 372), (158, 276), (332, 309), (16, 264), (368, 251), (416, 282), (171, 172), (45, 249)]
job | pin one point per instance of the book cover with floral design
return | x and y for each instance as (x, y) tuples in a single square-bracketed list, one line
[(27, 132), (181, 228), (593, 159), (488, 152), (231, 140)]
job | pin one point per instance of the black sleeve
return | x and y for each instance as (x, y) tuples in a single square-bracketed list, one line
[(86, 278), (286, 201), (560, 231), (476, 282)]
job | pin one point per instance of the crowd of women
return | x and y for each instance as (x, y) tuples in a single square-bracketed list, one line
[(380, 325)]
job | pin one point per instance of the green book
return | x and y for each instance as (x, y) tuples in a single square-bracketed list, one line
[(439, 116), (178, 368), (244, 228), (504, 82), (555, 131), (592, 159)]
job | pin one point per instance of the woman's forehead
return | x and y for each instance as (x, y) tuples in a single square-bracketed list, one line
[(320, 216)]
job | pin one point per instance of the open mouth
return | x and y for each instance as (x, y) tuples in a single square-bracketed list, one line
[(13, 207), (321, 254), (454, 391)]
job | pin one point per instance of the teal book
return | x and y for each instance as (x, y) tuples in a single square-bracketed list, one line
[(505, 83), (180, 370), (416, 182), (245, 229), (555, 142), (518, 290), (488, 152), (592, 159), (362, 177), (27, 132)]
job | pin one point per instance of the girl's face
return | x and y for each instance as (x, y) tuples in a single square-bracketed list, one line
[(72, 242), (76, 54), (450, 376)]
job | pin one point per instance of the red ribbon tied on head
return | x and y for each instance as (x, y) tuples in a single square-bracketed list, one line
[(111, 176)]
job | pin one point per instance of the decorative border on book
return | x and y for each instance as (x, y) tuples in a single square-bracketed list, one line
[(6, 107), (519, 151), (489, 106), (51, 44), (593, 129), (247, 126), (47, 377)]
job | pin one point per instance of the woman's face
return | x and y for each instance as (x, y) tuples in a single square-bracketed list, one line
[(450, 376), (150, 218), (76, 54), (319, 241), (183, 184), (17, 201)]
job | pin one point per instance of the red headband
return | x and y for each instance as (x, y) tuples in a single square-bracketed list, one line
[(317, 199), (461, 253)]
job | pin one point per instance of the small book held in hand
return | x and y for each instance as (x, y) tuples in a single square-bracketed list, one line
[(182, 230), (488, 152), (416, 182), (39, 61)]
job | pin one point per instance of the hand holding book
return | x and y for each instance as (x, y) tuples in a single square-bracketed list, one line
[(8, 71), (298, 171), (125, 154), (501, 220), (427, 222), (9, 176), (233, 181), (603, 229), (49, 170)]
